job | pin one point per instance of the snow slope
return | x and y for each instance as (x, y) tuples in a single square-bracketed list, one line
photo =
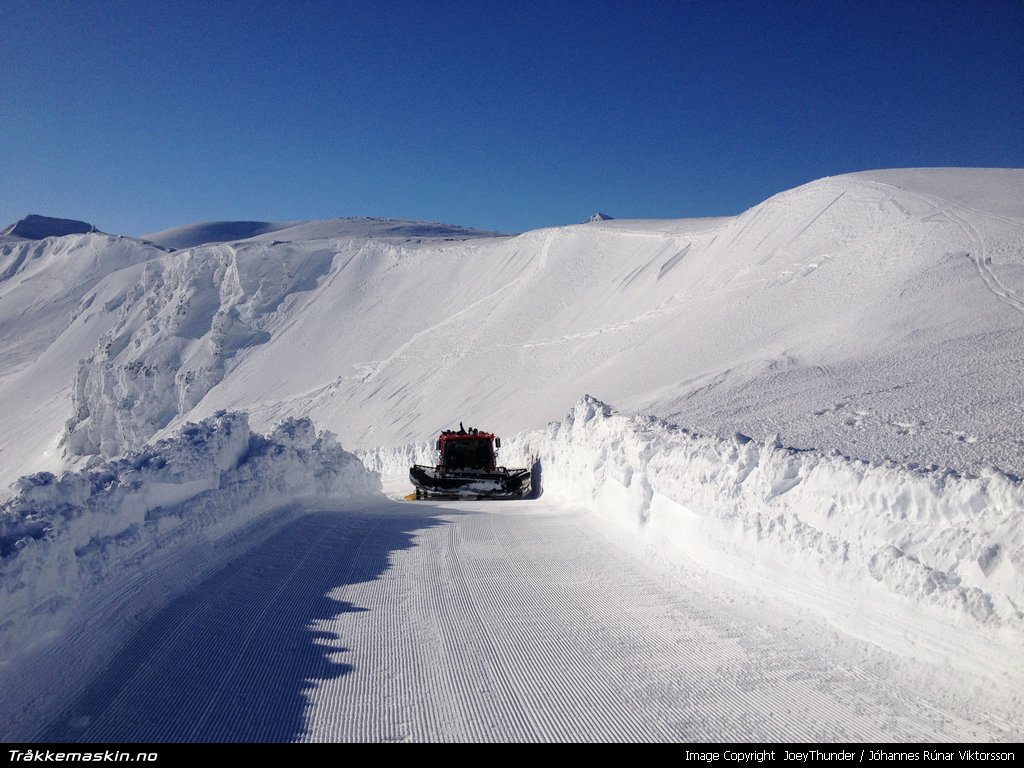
[(864, 313), (191, 235)]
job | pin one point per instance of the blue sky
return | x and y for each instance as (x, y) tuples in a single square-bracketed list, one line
[(138, 116)]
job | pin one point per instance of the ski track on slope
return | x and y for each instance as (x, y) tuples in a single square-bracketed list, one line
[(978, 254), (984, 264), (480, 622), (399, 353)]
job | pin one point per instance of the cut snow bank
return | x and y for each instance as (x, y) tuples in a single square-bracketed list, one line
[(392, 464), (64, 542), (943, 540)]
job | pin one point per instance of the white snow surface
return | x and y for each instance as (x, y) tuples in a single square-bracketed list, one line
[(819, 401), (207, 232), (951, 544)]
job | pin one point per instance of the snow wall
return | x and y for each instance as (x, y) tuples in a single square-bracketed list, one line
[(834, 533), (65, 542)]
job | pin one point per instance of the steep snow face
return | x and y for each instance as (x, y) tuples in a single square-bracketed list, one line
[(57, 298), (944, 542), (177, 332)]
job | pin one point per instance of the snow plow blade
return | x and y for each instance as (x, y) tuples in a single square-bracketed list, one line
[(500, 483)]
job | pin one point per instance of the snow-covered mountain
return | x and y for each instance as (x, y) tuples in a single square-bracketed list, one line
[(826, 388), (876, 314)]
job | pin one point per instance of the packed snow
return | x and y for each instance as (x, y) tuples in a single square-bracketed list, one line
[(514, 621), (817, 401)]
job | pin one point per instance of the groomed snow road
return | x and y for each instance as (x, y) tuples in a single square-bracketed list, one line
[(490, 622)]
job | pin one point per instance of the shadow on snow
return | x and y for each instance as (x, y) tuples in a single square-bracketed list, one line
[(234, 658)]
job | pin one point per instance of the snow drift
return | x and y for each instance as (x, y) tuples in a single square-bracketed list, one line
[(191, 235), (69, 541)]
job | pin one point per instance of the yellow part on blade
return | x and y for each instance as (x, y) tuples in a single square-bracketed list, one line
[(410, 497)]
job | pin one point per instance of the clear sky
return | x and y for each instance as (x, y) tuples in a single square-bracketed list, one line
[(138, 116)]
